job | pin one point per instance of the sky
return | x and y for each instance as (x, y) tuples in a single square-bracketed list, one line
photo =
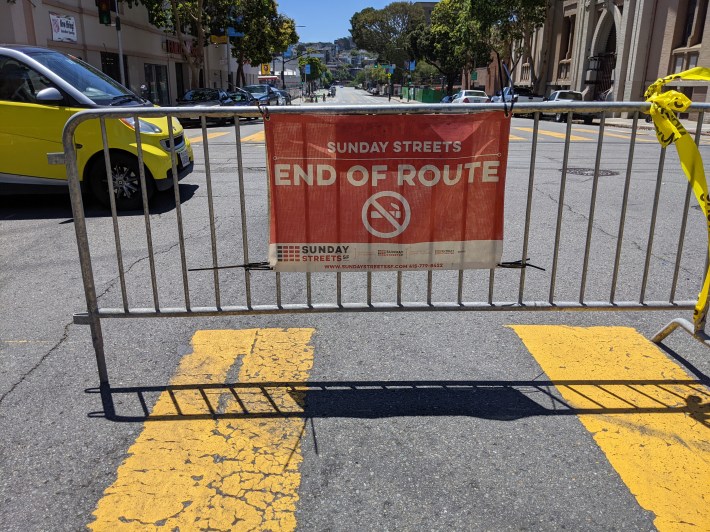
[(325, 20)]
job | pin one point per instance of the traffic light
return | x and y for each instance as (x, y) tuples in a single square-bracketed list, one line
[(105, 12)]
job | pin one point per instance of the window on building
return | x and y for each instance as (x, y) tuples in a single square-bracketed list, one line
[(692, 60), (156, 84), (110, 66), (678, 67)]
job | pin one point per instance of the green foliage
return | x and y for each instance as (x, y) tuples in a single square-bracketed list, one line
[(386, 31), (265, 30), (318, 68), (453, 41), (507, 24)]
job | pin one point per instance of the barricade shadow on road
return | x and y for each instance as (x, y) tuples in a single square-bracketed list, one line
[(493, 400), (58, 206)]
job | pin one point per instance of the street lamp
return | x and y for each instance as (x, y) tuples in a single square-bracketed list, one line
[(283, 65)]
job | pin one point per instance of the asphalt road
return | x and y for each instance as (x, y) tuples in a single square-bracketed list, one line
[(398, 421)]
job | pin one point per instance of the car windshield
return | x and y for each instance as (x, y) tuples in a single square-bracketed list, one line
[(259, 89), (569, 95), (201, 95), (92, 83), (480, 94), (523, 91), (238, 97)]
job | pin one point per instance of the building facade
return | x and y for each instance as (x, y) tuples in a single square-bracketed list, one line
[(154, 66), (614, 49)]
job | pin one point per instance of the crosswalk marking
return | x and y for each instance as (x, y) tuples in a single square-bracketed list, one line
[(221, 473), (655, 434), (259, 136)]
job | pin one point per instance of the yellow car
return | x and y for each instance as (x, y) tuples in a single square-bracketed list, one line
[(39, 90)]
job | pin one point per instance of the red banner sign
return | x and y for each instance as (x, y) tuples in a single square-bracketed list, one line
[(378, 192)]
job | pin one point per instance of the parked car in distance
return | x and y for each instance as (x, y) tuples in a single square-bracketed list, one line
[(265, 94), (40, 89), (447, 99), (516, 94), (240, 97), (565, 96), (471, 96), (205, 98), (285, 97)]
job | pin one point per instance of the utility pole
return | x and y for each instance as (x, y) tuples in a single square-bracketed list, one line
[(121, 66)]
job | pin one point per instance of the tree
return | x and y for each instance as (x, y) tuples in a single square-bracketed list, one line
[(193, 21), (317, 68), (507, 27), (452, 42), (386, 31)]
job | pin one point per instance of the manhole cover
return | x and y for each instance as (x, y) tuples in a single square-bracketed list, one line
[(589, 171)]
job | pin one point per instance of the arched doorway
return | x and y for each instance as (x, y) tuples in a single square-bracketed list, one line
[(603, 59)]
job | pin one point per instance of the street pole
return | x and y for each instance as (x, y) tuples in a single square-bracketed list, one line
[(120, 52), (229, 63)]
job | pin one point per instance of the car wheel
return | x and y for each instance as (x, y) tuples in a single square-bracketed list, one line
[(126, 182), (559, 117)]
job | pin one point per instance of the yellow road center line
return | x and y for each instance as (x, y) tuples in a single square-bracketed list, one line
[(607, 133), (515, 137), (218, 474), (256, 137), (662, 456), (554, 134), (209, 136)]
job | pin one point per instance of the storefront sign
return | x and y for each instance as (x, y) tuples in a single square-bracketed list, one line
[(381, 192), (63, 27)]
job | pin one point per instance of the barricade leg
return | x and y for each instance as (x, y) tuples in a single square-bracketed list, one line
[(685, 325)]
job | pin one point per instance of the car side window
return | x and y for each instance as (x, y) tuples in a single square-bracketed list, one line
[(19, 83)]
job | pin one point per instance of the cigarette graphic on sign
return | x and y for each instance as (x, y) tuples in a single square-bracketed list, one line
[(389, 225)]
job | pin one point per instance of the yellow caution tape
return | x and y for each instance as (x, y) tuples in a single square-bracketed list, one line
[(664, 107)]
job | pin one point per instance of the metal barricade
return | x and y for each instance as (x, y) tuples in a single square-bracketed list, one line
[(615, 197)]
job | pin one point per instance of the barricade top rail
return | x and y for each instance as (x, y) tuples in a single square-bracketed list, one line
[(398, 109)]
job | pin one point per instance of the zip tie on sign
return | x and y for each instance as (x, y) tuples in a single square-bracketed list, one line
[(250, 266), (519, 264), (264, 111), (669, 130)]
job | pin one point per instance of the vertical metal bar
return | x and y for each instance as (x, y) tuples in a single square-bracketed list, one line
[(592, 206), (560, 208), (339, 288), (87, 275), (528, 207), (459, 292), (399, 288), (684, 219), (178, 211), (114, 216), (491, 283), (369, 288), (429, 283), (146, 214), (278, 289), (652, 229), (624, 205), (309, 290), (210, 206), (243, 210)]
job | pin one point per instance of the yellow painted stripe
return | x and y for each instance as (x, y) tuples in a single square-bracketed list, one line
[(256, 137), (554, 134), (209, 136), (218, 474), (515, 137), (663, 457), (615, 135)]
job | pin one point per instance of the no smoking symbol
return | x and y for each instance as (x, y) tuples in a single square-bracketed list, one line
[(386, 214)]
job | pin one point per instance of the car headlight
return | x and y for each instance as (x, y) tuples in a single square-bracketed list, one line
[(143, 126)]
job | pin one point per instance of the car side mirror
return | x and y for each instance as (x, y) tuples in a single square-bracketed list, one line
[(49, 95)]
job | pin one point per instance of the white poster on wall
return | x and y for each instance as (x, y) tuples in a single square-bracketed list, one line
[(63, 27)]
